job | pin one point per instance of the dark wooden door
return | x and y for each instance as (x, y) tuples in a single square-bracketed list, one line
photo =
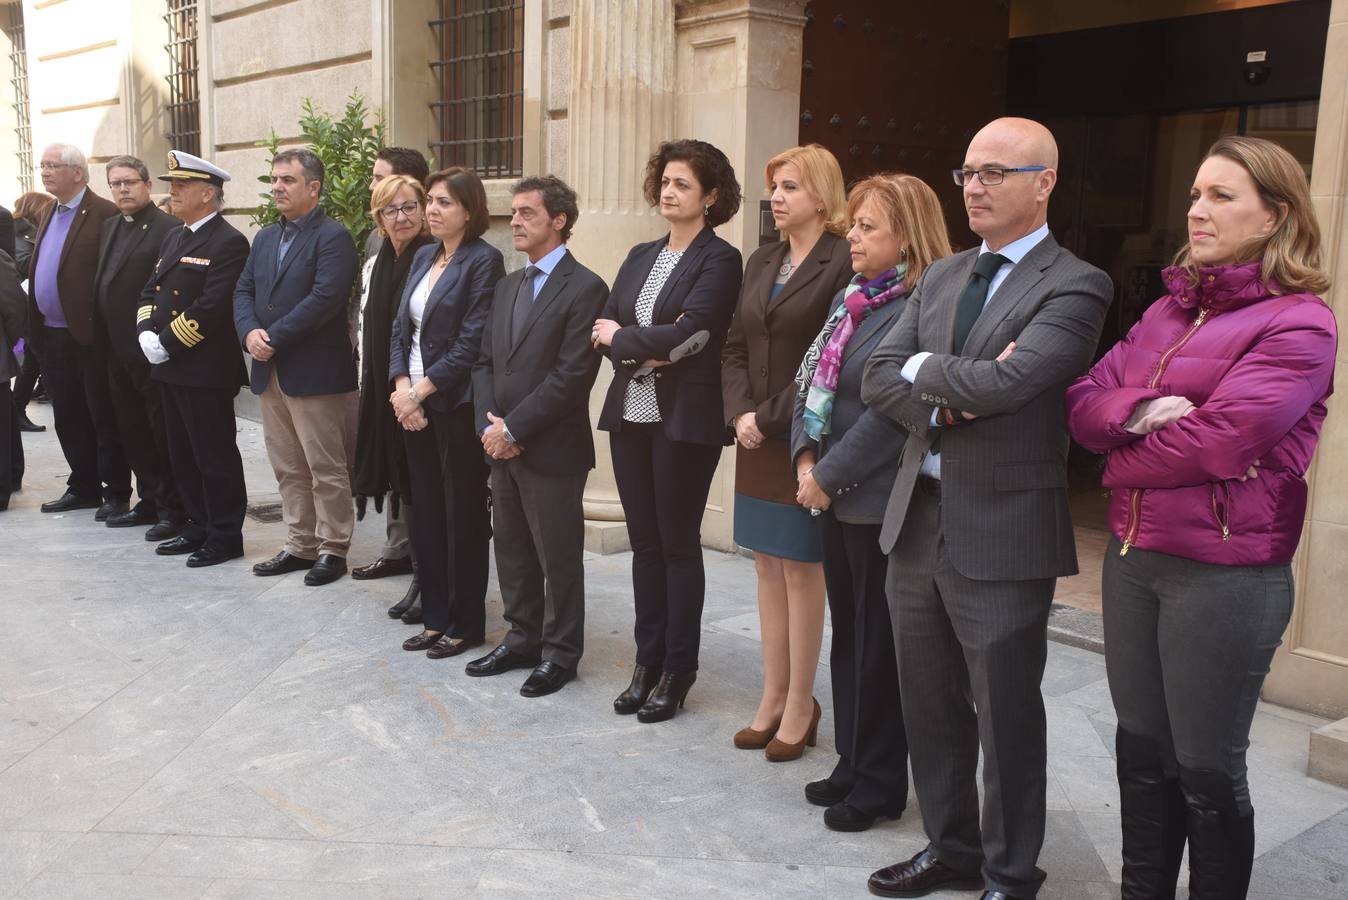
[(902, 85)]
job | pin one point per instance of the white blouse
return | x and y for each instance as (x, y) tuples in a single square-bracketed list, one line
[(417, 307)]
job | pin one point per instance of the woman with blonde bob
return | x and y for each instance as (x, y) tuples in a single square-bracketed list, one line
[(782, 304), (846, 459), (1208, 412)]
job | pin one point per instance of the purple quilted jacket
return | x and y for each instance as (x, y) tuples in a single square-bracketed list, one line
[(1258, 366)]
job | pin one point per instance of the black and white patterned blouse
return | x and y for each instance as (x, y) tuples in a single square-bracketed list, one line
[(641, 404)]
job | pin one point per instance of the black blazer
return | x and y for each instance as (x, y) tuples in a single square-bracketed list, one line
[(187, 303), (703, 289), (452, 322), (540, 381), (857, 461), (121, 276), (302, 306)]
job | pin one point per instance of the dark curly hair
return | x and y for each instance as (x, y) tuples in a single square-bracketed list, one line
[(712, 169), (558, 198)]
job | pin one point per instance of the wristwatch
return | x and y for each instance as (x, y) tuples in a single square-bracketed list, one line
[(412, 395)]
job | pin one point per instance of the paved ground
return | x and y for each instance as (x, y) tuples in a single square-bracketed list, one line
[(170, 733)]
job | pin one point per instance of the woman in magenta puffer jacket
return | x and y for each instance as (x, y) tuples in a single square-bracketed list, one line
[(1208, 411)]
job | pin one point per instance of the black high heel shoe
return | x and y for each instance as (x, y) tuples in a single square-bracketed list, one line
[(643, 682), (668, 696), (412, 596)]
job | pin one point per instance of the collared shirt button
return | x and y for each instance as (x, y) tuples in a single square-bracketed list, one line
[(763, 371)]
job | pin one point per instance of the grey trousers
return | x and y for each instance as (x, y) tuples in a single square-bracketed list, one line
[(971, 657), (397, 537), (1187, 646)]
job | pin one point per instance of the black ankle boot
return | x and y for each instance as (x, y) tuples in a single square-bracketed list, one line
[(1152, 818), (413, 594), (1221, 837), (670, 692), (643, 682)]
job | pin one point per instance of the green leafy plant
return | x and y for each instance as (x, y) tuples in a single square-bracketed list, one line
[(347, 146)]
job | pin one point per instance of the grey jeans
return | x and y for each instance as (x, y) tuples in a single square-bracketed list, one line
[(1187, 647)]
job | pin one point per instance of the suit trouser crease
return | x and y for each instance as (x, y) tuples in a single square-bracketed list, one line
[(971, 658), (663, 486), (114, 468), (138, 405), (397, 530), (538, 522), (306, 445), (11, 444), (867, 711), (204, 452), (451, 524)]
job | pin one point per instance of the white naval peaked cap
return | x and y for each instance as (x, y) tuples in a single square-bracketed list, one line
[(183, 165)]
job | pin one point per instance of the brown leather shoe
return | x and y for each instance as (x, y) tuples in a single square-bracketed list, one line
[(383, 568), (918, 877), (749, 738), (780, 751)]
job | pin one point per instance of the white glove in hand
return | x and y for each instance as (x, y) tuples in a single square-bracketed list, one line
[(153, 348)]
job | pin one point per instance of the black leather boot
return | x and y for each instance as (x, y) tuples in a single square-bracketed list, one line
[(1221, 837), (643, 682), (1153, 819), (670, 692), (413, 594)]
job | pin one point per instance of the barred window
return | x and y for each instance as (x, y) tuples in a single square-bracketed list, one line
[(23, 128), (184, 106), (480, 110)]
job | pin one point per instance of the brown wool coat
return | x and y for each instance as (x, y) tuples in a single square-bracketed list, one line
[(79, 264)]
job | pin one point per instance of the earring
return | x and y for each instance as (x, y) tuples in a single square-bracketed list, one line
[(706, 210), (819, 209), (903, 253)]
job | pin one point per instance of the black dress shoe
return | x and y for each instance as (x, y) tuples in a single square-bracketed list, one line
[(547, 678), (111, 508), (383, 568), (413, 615), (413, 594), (448, 646), (68, 501), (502, 659), (163, 530), (28, 425), (670, 692), (281, 563), (212, 556), (178, 546), (644, 679), (825, 793), (997, 895), (424, 641), (132, 518), (328, 569), (843, 816), (918, 877)]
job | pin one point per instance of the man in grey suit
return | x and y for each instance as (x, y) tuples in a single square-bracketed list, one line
[(531, 391), (977, 527)]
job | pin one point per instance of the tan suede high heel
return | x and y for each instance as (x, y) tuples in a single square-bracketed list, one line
[(753, 739), (780, 751)]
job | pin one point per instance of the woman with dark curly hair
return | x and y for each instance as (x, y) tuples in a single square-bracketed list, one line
[(663, 327)]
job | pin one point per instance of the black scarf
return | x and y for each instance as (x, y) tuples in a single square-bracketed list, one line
[(381, 462)]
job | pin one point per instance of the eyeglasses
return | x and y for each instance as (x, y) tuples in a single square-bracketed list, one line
[(991, 175), (391, 212), (125, 184), (51, 166)]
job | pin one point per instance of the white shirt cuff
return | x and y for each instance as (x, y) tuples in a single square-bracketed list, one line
[(914, 363)]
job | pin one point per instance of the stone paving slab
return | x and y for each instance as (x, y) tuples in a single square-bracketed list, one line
[(175, 733)]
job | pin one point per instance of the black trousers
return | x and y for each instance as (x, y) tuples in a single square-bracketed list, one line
[(867, 717), (11, 445), (28, 375), (451, 522), (207, 468), (87, 431), (138, 407), (663, 486)]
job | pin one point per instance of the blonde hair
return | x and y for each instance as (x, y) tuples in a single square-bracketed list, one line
[(1291, 251), (821, 176), (911, 209), (386, 190)]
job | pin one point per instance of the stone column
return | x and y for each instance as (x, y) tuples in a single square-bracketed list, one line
[(621, 105)]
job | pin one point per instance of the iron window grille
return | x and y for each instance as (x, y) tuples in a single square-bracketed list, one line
[(480, 72), (184, 106), (23, 128)]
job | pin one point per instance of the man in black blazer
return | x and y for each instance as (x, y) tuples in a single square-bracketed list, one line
[(128, 249), (290, 314), (531, 391), (185, 329)]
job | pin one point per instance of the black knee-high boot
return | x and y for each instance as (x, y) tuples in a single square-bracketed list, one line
[(1152, 817), (1221, 837)]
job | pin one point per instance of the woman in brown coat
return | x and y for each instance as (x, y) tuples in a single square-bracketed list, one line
[(783, 303)]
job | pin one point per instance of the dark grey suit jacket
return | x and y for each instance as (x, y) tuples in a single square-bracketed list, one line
[(13, 316), (858, 459), (122, 273), (1004, 507)]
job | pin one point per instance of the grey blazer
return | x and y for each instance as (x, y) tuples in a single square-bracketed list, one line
[(1004, 507), (13, 315), (859, 458)]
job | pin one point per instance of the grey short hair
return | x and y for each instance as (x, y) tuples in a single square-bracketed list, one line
[(72, 156), (308, 160), (128, 162)]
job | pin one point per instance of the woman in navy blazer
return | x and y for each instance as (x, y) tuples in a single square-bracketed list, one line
[(663, 327), (436, 337)]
